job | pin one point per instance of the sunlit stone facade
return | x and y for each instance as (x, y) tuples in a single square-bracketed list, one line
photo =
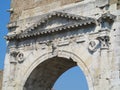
[(47, 37)]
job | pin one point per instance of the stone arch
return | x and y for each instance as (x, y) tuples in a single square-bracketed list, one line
[(60, 54)]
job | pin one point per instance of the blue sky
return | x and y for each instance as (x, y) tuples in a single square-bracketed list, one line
[(73, 79), (4, 19)]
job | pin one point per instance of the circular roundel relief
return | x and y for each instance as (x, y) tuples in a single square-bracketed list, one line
[(20, 57), (93, 44)]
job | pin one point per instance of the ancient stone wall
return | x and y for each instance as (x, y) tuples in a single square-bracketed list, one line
[(1, 76), (86, 32), (26, 6)]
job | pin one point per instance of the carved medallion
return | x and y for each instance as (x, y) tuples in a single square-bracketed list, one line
[(93, 44), (20, 57)]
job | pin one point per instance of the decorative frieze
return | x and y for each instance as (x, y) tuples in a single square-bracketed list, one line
[(63, 42), (40, 44), (80, 39)]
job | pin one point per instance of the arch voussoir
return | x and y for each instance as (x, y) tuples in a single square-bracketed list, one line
[(63, 54)]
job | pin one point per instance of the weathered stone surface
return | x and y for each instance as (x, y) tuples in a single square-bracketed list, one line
[(28, 6), (102, 3), (118, 4), (1, 78), (113, 1), (45, 41)]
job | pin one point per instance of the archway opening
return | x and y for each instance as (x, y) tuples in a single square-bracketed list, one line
[(44, 76), (72, 79)]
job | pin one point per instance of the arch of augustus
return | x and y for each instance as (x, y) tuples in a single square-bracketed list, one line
[(48, 37)]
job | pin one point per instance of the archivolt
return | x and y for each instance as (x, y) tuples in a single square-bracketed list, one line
[(63, 54)]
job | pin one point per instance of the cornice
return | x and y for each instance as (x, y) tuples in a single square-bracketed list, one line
[(80, 22)]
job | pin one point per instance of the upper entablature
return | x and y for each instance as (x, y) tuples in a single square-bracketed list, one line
[(53, 22), (58, 21)]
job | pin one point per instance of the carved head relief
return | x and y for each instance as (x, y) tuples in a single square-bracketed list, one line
[(20, 57), (93, 44)]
